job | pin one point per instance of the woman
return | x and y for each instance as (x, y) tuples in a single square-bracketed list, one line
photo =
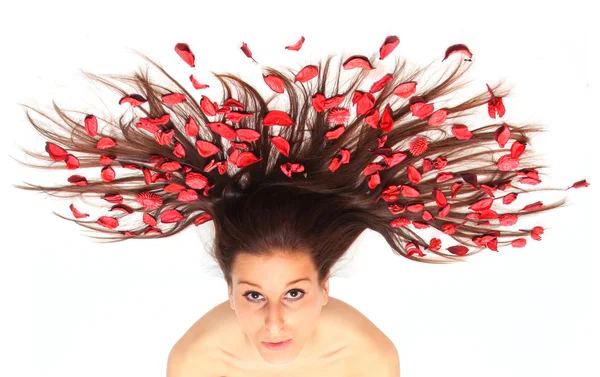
[(384, 151)]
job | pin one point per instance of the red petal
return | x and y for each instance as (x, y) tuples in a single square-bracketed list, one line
[(149, 200), (457, 48), (406, 89), (206, 149), (338, 115), (516, 149), (106, 160), (420, 225), (439, 198), (435, 244), (456, 186), (196, 180), (519, 242), (482, 204), (533, 206), (441, 162), (374, 180), (201, 219), (421, 109), (438, 117), (72, 162), (247, 51), (173, 98), (107, 174), (164, 137), (281, 144), (441, 177), (246, 159), (105, 143), (276, 83), (78, 180), (335, 133), (296, 46), (334, 101), (388, 46), (458, 250), (536, 232), (427, 165), (113, 198), (579, 184), (183, 50), (357, 61), (318, 102), (508, 219), (108, 222), (171, 216), (277, 118), (507, 162), (502, 135), (381, 83), (409, 192), (247, 134), (509, 198), (372, 118), (179, 150), (461, 132), (307, 73), (427, 216), (418, 146), (207, 106), (91, 125), (173, 187), (191, 127), (415, 207), (56, 153), (76, 213), (133, 99), (188, 195), (413, 174), (222, 129), (444, 211), (196, 84), (170, 166), (387, 122), (399, 222)]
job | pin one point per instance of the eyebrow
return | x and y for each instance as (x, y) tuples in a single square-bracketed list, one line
[(288, 284)]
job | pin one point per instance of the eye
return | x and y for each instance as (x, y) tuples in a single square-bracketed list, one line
[(254, 295)]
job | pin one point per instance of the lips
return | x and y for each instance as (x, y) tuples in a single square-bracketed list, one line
[(275, 341)]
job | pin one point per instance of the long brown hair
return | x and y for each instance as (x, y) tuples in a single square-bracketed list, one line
[(323, 193)]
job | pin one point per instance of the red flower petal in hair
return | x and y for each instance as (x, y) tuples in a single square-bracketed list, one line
[(247, 51), (418, 146), (222, 129), (134, 100), (461, 132), (439, 198), (458, 250), (72, 162), (56, 153), (413, 174), (389, 44), (276, 83), (406, 89), (149, 200), (508, 162), (334, 101), (438, 117), (307, 73), (372, 118), (188, 195), (108, 222), (288, 168), (296, 46), (196, 180), (281, 144), (183, 50), (76, 213), (502, 135), (390, 194), (277, 118), (335, 133), (171, 216), (381, 83), (374, 180), (164, 137), (247, 134), (415, 207), (387, 122), (318, 102), (395, 159), (364, 102), (519, 242), (91, 125), (122, 207), (173, 98), (206, 149), (338, 115), (412, 248), (420, 225), (105, 143), (495, 105), (509, 198), (456, 186), (191, 127), (441, 162), (399, 222), (457, 48), (113, 198), (409, 192), (427, 216), (536, 232), (357, 61), (508, 219), (444, 176), (517, 149), (435, 244), (579, 184), (246, 159), (207, 106), (420, 109), (107, 174), (201, 219), (148, 219), (487, 189), (174, 187), (170, 166), (196, 84), (443, 212), (482, 205), (179, 150), (372, 168), (533, 206), (427, 165), (396, 208), (78, 180)]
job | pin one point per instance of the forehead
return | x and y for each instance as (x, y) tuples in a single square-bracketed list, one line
[(276, 264)]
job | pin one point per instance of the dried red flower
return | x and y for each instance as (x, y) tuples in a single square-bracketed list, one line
[(296, 46), (389, 44)]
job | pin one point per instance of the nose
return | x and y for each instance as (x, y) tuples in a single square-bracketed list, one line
[(274, 321)]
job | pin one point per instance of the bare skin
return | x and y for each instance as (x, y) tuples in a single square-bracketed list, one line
[(346, 344)]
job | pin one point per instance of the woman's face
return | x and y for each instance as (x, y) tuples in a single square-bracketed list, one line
[(270, 306)]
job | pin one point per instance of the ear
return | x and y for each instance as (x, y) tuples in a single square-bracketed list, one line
[(325, 287), (230, 295)]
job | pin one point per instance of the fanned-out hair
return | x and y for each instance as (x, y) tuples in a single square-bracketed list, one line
[(382, 151)]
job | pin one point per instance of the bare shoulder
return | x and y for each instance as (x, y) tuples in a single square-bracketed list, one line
[(193, 352), (378, 350)]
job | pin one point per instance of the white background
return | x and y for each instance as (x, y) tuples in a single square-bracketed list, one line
[(72, 307)]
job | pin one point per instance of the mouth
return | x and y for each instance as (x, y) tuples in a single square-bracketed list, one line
[(277, 345)]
